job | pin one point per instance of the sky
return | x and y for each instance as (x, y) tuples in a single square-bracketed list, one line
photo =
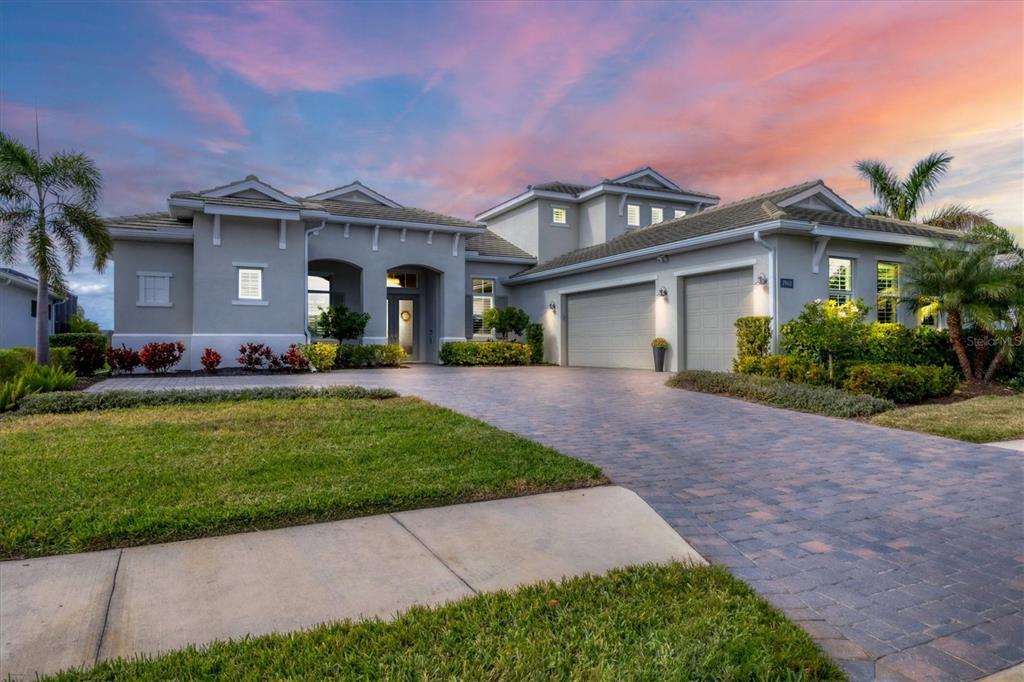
[(456, 106)]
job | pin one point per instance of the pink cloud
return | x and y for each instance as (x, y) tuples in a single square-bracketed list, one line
[(201, 99)]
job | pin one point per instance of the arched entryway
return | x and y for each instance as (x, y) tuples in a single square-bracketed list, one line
[(413, 312), (333, 282)]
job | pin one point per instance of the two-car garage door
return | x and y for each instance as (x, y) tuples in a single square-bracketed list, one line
[(611, 327), (614, 327)]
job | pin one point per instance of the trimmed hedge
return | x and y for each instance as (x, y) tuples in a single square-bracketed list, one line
[(753, 336), (901, 383), (14, 360), (894, 343), (76, 338), (77, 401), (464, 353), (535, 340), (350, 356), (825, 400), (785, 367)]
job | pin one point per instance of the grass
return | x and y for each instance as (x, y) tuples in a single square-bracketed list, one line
[(641, 623), (978, 420), (115, 478)]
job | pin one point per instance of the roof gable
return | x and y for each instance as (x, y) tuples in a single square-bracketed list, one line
[(355, 192), (649, 177), (819, 197), (250, 188)]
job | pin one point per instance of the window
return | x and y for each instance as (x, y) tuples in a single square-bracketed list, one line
[(49, 310), (318, 295), (657, 214), (559, 215), (250, 284), (154, 289), (679, 213), (402, 280), (888, 287), (633, 215), (840, 279), (483, 300)]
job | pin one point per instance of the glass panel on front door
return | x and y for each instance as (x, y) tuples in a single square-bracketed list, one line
[(403, 327)]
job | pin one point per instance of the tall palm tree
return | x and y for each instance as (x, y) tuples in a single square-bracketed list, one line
[(898, 198), (963, 280), (48, 206)]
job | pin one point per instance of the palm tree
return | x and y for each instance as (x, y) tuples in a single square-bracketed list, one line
[(963, 280), (47, 206), (898, 198)]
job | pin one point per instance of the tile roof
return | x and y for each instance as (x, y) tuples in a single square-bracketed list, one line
[(745, 212), (488, 243), (573, 188), (576, 189), (147, 221)]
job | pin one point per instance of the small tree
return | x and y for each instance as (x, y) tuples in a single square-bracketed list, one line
[(826, 331), (338, 322), (506, 320), (80, 324)]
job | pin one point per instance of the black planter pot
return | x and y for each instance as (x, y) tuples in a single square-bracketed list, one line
[(659, 359)]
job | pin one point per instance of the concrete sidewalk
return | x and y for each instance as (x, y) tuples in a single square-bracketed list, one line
[(64, 611)]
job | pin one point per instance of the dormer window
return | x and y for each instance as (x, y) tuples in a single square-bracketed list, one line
[(633, 215), (657, 214), (679, 213), (559, 215)]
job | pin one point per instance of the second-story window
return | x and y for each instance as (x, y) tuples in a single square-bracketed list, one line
[(633, 215), (679, 213), (559, 215), (657, 214)]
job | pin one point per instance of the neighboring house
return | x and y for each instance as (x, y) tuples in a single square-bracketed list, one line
[(63, 311), (246, 262), (18, 309)]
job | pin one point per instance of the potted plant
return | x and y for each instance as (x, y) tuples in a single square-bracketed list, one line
[(659, 345)]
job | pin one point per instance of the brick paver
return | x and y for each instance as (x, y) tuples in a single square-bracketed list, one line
[(902, 554)]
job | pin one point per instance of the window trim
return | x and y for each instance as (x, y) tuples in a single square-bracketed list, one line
[(485, 333), (249, 300), (140, 299), (557, 207), (895, 297), (846, 293), (638, 218), (657, 208)]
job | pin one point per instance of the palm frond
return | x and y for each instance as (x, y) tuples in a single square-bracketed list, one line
[(75, 175), (883, 182), (93, 231), (958, 217), (923, 179)]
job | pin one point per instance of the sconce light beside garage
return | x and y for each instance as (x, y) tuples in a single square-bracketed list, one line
[(663, 292), (762, 279), (552, 307)]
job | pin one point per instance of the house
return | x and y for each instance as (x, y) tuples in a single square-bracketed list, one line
[(18, 309), (605, 267)]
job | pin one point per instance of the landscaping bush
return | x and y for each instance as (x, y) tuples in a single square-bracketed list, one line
[(777, 393), (77, 401), (902, 383), (14, 360), (210, 360), (753, 337), (123, 360), (340, 323), (61, 356), (321, 355), (254, 356), (43, 379), (894, 343), (86, 358), (505, 321), (159, 357), (826, 332), (75, 338), (485, 353), (351, 356), (785, 367), (535, 340), (294, 359), (12, 392), (80, 324)]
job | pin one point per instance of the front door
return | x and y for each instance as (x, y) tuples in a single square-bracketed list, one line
[(404, 323)]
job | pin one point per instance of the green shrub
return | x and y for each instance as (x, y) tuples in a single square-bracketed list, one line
[(339, 323), (80, 324), (14, 360), (777, 393), (13, 392), (44, 379), (485, 353), (902, 383), (826, 332), (77, 401), (321, 355), (894, 343), (76, 338), (785, 367), (505, 321), (371, 355), (535, 340), (63, 357), (753, 337)]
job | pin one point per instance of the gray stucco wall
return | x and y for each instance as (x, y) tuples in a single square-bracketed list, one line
[(519, 226), (132, 257), (17, 326)]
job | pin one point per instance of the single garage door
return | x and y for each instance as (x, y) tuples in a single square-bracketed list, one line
[(612, 327), (712, 304)]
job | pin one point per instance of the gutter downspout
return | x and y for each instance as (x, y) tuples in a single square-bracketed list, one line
[(773, 293), (310, 231)]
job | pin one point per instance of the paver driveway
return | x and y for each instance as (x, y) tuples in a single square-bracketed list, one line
[(902, 554)]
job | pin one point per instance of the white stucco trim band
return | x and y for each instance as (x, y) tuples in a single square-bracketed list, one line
[(718, 266), (474, 256), (607, 284), (854, 234), (171, 234)]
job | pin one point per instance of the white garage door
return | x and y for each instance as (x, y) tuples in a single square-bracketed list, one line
[(712, 304), (612, 327)]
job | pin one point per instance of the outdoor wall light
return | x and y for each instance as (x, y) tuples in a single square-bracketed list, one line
[(761, 279), (663, 292), (552, 306)]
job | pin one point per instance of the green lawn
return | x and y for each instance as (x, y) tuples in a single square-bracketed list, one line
[(643, 623), (978, 420), (124, 477)]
